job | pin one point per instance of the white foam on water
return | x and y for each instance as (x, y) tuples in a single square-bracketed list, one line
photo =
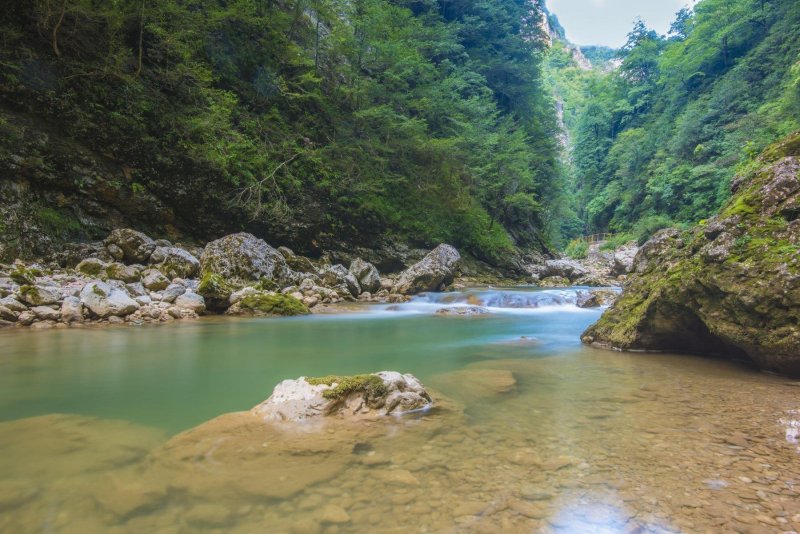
[(494, 301)]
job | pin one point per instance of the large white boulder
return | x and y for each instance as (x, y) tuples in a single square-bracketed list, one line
[(105, 300), (435, 270)]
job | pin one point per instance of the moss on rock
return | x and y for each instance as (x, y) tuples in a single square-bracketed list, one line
[(344, 386), (730, 286), (214, 286), (274, 304), (24, 275)]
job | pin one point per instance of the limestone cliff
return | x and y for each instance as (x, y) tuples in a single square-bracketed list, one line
[(729, 286)]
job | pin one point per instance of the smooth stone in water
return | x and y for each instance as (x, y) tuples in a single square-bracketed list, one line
[(191, 301)]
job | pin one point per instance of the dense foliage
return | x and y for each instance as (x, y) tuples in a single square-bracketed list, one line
[(658, 140), (601, 57), (422, 119)]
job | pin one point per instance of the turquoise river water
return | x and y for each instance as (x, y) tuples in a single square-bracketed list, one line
[(124, 429)]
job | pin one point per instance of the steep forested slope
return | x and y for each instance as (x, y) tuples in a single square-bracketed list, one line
[(305, 121), (660, 137)]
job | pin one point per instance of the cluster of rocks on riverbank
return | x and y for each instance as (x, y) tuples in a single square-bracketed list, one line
[(599, 269), (131, 278)]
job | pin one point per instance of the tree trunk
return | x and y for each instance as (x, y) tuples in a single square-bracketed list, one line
[(57, 27), (141, 33)]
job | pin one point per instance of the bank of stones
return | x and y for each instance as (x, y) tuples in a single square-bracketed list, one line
[(130, 278)]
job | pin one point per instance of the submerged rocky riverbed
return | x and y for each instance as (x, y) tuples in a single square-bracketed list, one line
[(109, 430)]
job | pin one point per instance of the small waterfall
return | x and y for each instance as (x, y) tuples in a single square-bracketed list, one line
[(492, 301), (518, 299)]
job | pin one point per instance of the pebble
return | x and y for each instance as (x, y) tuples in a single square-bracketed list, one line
[(334, 514)]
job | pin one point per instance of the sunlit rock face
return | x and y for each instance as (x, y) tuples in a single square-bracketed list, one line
[(729, 286), (436, 270)]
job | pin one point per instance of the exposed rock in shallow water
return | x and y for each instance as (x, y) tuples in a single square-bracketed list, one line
[(191, 301), (383, 393), (730, 286), (435, 271), (463, 311), (266, 303), (595, 298)]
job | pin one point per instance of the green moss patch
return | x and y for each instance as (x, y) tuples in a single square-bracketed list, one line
[(214, 286), (788, 147), (23, 275), (274, 304), (29, 291), (743, 205), (90, 268), (371, 385)]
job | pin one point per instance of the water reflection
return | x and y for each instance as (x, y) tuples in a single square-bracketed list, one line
[(594, 514), (792, 425)]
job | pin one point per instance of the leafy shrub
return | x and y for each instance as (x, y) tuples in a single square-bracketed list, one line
[(649, 225), (617, 240), (577, 249)]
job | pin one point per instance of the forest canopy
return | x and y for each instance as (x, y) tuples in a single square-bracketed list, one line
[(426, 120), (657, 141)]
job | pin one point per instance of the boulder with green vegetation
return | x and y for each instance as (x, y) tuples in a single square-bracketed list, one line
[(24, 275), (358, 396), (40, 295), (729, 286), (244, 257), (175, 262), (268, 303), (92, 267)]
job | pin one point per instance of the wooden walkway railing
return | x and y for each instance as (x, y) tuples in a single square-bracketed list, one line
[(596, 238)]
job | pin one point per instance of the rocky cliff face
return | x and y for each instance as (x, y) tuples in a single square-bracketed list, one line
[(729, 286)]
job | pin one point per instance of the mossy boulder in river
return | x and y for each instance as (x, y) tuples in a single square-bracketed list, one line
[(358, 396), (268, 303), (729, 286)]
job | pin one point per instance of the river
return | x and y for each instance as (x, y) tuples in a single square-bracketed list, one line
[(103, 429)]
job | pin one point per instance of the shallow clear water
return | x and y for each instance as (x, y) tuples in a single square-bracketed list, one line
[(534, 432)]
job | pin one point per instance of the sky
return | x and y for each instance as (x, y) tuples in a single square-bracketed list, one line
[(607, 22)]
